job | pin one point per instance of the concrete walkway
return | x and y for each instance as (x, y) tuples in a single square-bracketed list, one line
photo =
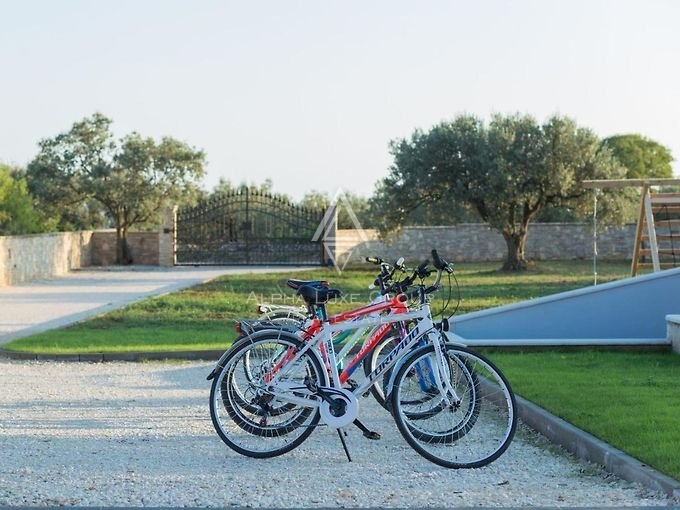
[(33, 307)]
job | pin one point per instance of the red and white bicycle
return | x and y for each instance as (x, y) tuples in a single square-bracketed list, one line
[(274, 386)]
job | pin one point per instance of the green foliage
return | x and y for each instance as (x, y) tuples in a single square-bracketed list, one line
[(507, 172), (17, 214), (145, 175), (86, 178), (225, 187), (359, 206), (315, 200), (384, 216), (642, 157)]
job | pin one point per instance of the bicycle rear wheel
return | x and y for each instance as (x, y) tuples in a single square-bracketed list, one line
[(467, 427), (253, 417)]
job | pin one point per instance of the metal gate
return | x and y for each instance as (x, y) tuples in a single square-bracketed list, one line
[(247, 227)]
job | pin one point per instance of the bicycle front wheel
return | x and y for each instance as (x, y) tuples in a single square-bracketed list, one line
[(467, 419), (257, 418)]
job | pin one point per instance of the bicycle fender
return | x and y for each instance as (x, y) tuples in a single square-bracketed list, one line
[(219, 366)]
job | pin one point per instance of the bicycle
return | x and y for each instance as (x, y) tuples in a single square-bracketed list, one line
[(374, 340), (301, 378), (247, 328), (293, 319)]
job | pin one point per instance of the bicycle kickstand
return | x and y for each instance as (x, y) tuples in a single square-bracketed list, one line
[(344, 444)]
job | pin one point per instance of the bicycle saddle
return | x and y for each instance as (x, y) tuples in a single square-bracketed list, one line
[(314, 295), (296, 284)]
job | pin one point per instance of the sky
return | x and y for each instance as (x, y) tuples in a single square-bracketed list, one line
[(310, 93)]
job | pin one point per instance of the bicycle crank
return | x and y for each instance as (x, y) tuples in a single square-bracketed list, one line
[(339, 407)]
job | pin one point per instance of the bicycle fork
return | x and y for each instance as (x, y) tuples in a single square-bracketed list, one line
[(443, 376)]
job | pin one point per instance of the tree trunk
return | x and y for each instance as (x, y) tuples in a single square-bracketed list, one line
[(515, 260), (123, 255)]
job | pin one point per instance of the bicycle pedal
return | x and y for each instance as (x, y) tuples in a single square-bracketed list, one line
[(352, 384), (370, 434)]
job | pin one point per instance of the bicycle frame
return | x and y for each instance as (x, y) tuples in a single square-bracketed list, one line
[(360, 325), (423, 325), (357, 319), (314, 325), (324, 338)]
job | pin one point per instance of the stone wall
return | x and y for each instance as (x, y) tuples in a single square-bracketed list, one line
[(143, 248), (167, 237), (477, 242), (40, 256), (33, 257)]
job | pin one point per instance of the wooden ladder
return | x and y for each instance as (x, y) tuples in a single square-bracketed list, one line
[(657, 237)]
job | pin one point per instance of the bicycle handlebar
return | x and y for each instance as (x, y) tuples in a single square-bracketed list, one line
[(421, 271)]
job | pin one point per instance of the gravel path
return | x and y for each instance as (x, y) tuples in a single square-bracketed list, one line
[(139, 434)]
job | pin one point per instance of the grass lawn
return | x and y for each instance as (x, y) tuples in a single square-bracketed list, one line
[(628, 398), (202, 317)]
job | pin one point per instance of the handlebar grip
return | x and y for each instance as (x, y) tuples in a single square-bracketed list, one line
[(374, 260), (437, 259), (440, 263), (422, 266)]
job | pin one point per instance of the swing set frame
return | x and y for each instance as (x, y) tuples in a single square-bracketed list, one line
[(647, 237)]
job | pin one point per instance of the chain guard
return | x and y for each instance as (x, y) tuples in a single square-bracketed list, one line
[(349, 414)]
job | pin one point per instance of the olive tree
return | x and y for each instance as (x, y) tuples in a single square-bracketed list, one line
[(125, 181), (506, 171)]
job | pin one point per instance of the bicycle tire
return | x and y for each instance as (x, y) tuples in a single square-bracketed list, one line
[(471, 431), (238, 397), (261, 434)]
